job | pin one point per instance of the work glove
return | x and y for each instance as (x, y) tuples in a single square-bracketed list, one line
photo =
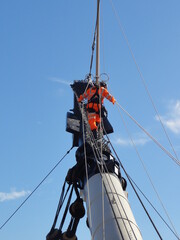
[(113, 100)]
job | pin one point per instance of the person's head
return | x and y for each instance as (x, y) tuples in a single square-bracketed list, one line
[(103, 84)]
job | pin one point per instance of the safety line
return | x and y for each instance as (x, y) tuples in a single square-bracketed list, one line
[(149, 135), (142, 78), (35, 189)]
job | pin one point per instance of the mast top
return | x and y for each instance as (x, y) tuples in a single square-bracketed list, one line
[(98, 44)]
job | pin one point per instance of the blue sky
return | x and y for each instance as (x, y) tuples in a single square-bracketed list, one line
[(45, 45)]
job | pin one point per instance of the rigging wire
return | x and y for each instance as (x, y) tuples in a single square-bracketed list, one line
[(10, 217), (102, 24), (127, 176), (149, 135), (95, 151), (97, 156), (94, 39), (175, 234), (60, 204), (153, 224), (132, 186), (142, 78), (89, 200), (101, 162), (145, 169)]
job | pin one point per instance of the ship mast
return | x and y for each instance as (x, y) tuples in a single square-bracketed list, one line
[(97, 174), (98, 44)]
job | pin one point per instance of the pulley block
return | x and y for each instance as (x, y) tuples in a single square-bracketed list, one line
[(77, 209), (66, 237), (54, 234)]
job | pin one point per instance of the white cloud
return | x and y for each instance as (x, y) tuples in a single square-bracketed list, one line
[(12, 195), (138, 141), (58, 80), (172, 118)]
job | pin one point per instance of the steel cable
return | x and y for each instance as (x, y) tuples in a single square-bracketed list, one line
[(10, 217), (95, 151), (149, 135), (135, 190), (143, 80), (96, 157), (137, 152)]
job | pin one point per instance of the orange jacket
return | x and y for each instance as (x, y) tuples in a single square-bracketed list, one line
[(102, 92)]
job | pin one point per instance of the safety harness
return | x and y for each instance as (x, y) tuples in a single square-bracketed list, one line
[(95, 99)]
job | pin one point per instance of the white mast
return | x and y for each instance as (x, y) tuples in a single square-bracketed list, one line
[(113, 219), (109, 214)]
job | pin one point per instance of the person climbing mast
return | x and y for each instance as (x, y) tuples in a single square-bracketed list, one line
[(95, 96)]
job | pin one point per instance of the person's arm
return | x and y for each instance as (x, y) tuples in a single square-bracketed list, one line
[(82, 96), (108, 96)]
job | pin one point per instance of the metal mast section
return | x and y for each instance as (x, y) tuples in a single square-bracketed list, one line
[(98, 44)]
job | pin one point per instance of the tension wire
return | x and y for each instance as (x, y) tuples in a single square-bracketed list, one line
[(35, 189)]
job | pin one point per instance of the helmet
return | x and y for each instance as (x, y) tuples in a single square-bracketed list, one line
[(103, 84)]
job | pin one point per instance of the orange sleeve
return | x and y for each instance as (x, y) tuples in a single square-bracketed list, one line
[(107, 95), (82, 96)]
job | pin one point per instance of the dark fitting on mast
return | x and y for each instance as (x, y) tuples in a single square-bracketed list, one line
[(74, 118)]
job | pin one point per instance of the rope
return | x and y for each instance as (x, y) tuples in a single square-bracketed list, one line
[(115, 202), (121, 203), (35, 189), (59, 205), (135, 191), (148, 174), (94, 39), (141, 203), (175, 234), (101, 157), (142, 78), (95, 151), (149, 135), (87, 175), (66, 209), (97, 156)]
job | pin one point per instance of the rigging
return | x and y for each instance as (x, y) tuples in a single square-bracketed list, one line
[(153, 186), (149, 135), (10, 217), (143, 81)]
